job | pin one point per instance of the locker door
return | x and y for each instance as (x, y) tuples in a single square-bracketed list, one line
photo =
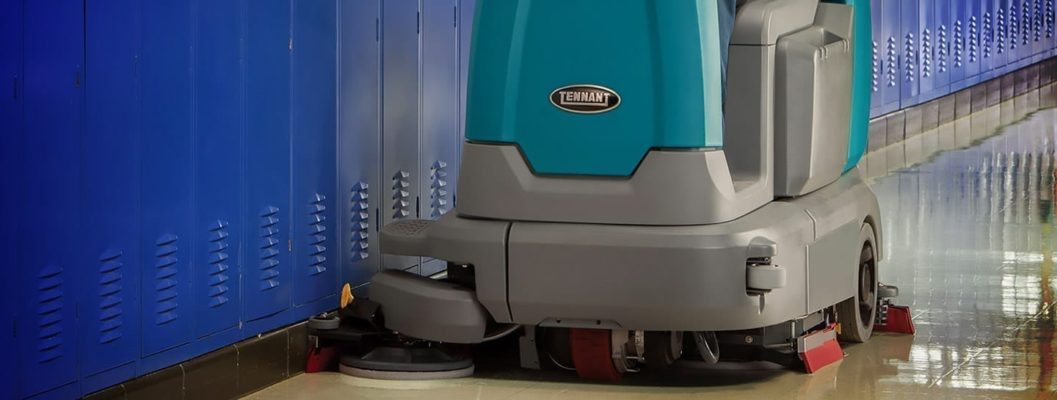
[(109, 323), (1027, 34), (1046, 8), (890, 64), (959, 18), (440, 106), (314, 141), (1038, 29), (167, 184), (998, 65), (1016, 28), (929, 50), (944, 43), (911, 48), (466, 12), (359, 139), (218, 137), (973, 57), (989, 38), (400, 116), (54, 56), (267, 284), (1051, 27), (11, 112)]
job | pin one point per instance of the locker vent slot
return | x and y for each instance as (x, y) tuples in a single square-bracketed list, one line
[(401, 195), (910, 57), (1037, 21), (49, 313), (1026, 21), (1049, 19), (218, 264), (438, 189), (269, 253), (989, 32), (317, 235), (165, 276), (959, 44), (360, 225), (943, 50), (110, 302), (1001, 35), (1014, 27), (876, 68), (926, 53), (891, 61), (974, 40)]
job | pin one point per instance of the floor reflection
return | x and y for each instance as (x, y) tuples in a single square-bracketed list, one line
[(970, 240)]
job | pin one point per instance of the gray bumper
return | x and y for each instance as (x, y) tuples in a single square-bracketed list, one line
[(690, 278)]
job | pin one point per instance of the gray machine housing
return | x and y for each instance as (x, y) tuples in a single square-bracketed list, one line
[(693, 241)]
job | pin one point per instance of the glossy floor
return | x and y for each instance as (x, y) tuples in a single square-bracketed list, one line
[(970, 239)]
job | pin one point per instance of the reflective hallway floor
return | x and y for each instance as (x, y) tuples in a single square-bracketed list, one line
[(970, 238)]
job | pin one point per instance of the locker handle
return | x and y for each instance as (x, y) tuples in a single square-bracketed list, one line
[(77, 79)]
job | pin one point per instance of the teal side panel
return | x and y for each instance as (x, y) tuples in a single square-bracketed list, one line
[(662, 58), (861, 81)]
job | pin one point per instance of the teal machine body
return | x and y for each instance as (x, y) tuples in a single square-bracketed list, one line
[(661, 57)]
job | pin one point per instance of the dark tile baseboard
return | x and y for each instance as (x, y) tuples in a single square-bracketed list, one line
[(228, 373)]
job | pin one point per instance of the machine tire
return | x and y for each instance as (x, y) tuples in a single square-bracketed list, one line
[(857, 314)]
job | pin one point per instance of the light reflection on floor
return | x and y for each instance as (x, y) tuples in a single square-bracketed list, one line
[(970, 240)]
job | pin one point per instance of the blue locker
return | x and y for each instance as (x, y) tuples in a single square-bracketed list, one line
[(314, 150), (10, 170), (892, 76), (167, 184), (987, 38), (1001, 35), (49, 276), (400, 117), (1038, 30), (943, 46), (912, 47), (1027, 32), (466, 12), (1048, 21), (359, 138), (267, 282), (1014, 34), (933, 49), (974, 51), (110, 256), (218, 137), (964, 45), (438, 136)]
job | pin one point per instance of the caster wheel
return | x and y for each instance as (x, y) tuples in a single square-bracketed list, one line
[(857, 314), (324, 322)]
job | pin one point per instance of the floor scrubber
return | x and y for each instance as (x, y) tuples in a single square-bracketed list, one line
[(620, 206)]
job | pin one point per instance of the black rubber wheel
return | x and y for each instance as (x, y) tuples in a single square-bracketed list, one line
[(857, 314), (663, 348), (324, 322)]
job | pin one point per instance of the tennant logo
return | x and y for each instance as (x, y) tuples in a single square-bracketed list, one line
[(585, 99)]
